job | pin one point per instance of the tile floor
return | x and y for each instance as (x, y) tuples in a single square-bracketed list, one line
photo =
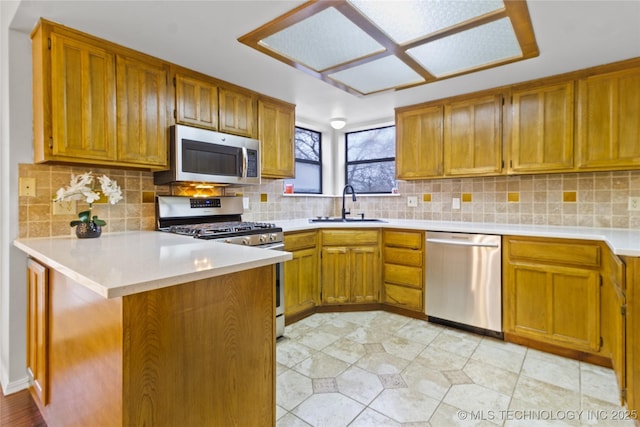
[(366, 369)]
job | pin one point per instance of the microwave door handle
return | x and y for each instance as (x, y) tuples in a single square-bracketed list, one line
[(245, 160)]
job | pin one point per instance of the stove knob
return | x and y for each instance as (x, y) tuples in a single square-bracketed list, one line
[(273, 237), (245, 241), (263, 238)]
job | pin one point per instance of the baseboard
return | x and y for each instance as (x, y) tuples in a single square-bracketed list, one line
[(15, 386)]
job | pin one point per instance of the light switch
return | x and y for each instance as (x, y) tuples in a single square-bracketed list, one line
[(245, 203), (412, 201), (455, 203)]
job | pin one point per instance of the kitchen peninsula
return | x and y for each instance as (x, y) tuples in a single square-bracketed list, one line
[(149, 328)]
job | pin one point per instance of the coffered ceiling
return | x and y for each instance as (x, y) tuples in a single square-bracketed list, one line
[(203, 35)]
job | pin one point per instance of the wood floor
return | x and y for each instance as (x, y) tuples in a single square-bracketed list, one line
[(19, 410)]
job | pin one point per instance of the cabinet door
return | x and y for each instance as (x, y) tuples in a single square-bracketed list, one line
[(276, 134), (365, 274), (473, 137), (142, 111), (608, 130), (336, 275), (37, 328), (196, 102), (419, 143), (556, 304), (237, 112), (83, 108), (301, 282), (542, 129)]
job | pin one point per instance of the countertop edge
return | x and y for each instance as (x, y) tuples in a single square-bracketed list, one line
[(623, 242)]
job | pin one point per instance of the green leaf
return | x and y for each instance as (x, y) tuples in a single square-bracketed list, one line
[(99, 222), (84, 216), (75, 222)]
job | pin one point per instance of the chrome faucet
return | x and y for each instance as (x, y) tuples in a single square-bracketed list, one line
[(353, 198)]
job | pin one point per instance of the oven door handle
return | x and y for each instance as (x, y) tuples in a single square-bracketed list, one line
[(245, 161), (273, 246)]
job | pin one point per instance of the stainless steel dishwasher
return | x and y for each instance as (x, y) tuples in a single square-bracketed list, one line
[(464, 281)]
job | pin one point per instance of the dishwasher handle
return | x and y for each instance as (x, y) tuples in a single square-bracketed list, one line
[(461, 243)]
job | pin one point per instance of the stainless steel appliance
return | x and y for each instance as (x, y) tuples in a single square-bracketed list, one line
[(200, 155), (220, 219), (464, 281)]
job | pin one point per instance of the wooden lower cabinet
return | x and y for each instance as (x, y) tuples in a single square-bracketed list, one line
[(301, 294), (350, 266), (37, 327), (552, 291), (200, 353), (403, 269)]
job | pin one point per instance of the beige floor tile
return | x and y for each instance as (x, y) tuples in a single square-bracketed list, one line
[(419, 331), (345, 350), (497, 379), (360, 385), (289, 352), (371, 418), (405, 405), (292, 389), (602, 413), (388, 322), (318, 339), (382, 363), (365, 335), (473, 397), (500, 354), (436, 358), (321, 365), (290, 420), (428, 381), (462, 344), (450, 416), (599, 383), (402, 347), (552, 369), (542, 395), (524, 414), (328, 409), (337, 326)]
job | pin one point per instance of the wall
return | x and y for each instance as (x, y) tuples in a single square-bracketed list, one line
[(586, 199)]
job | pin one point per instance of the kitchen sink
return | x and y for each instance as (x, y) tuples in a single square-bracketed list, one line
[(330, 219)]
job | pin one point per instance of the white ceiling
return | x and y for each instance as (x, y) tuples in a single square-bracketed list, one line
[(202, 35)]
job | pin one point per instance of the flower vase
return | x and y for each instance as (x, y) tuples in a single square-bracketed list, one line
[(88, 230)]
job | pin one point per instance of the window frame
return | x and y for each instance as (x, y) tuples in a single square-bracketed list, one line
[(347, 163), (310, 162)]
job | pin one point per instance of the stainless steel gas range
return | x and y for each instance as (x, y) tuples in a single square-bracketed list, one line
[(220, 219)]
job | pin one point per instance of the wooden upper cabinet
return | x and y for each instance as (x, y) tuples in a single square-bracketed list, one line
[(542, 129), (83, 101), (276, 122), (419, 142), (196, 102), (142, 111), (237, 112), (473, 137), (94, 104), (608, 129)]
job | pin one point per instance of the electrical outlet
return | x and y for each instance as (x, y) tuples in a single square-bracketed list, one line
[(64, 207), (455, 203), (412, 201), (634, 203), (27, 187)]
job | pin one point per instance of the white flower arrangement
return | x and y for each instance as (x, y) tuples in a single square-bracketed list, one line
[(81, 188)]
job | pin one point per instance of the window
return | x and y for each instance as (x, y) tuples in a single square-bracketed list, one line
[(371, 160), (308, 154)]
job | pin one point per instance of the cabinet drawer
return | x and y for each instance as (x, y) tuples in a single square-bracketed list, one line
[(403, 239), (293, 242), (403, 275), (349, 237), (562, 252), (403, 297), (403, 256)]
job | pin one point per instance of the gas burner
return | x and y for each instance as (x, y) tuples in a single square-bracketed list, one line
[(220, 228)]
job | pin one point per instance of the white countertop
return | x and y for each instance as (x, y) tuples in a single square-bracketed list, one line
[(118, 264), (621, 241)]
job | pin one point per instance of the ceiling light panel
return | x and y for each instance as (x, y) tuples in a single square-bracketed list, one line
[(319, 42), (474, 48), (378, 75), (406, 21)]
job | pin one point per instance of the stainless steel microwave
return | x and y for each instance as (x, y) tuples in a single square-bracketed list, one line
[(200, 155)]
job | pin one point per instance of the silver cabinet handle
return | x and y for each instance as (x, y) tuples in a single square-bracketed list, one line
[(462, 243)]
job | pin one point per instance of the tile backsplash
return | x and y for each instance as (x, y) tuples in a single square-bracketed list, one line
[(587, 199)]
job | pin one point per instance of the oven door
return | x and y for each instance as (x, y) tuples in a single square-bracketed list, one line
[(279, 289)]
